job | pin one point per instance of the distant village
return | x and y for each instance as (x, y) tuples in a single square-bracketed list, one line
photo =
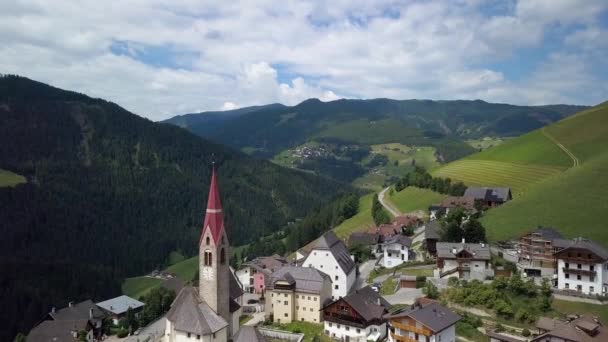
[(392, 295)]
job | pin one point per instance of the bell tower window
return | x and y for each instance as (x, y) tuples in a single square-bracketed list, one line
[(207, 258), (207, 241), (222, 256)]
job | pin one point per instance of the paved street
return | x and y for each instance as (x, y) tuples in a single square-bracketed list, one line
[(386, 205), (404, 296), (364, 270)]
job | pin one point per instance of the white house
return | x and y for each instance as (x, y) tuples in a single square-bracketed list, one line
[(118, 307), (396, 251), (583, 267), (329, 255), (419, 322), (463, 260)]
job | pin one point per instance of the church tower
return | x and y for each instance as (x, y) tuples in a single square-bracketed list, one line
[(214, 254)]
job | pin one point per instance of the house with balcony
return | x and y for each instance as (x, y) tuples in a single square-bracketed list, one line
[(357, 317), (396, 251), (432, 234), (372, 241), (582, 267), (255, 274), (536, 252), (297, 294), (422, 322), (489, 197), (463, 260), (574, 328)]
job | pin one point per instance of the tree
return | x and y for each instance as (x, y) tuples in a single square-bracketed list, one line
[(20, 338), (430, 290), (474, 231)]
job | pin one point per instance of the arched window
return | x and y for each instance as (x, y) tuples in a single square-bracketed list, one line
[(208, 258), (223, 241), (207, 241), (222, 256)]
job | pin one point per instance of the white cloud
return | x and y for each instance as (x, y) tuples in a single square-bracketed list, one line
[(214, 55), (229, 106)]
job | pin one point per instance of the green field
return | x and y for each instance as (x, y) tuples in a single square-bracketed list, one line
[(8, 178), (185, 270), (367, 132), (139, 286), (568, 308), (359, 222), (412, 199)]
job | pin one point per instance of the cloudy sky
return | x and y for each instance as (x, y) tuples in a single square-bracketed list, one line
[(159, 58)]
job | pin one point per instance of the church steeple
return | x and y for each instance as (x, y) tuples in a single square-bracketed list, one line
[(214, 218)]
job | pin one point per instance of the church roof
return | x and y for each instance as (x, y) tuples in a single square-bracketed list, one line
[(189, 313), (214, 218), (249, 334)]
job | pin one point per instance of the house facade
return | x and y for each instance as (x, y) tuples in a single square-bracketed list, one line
[(463, 260), (357, 317), (396, 251), (372, 241), (330, 256), (432, 234), (255, 275), (583, 267), (117, 307), (419, 322), (297, 294), (489, 197), (536, 252), (575, 328)]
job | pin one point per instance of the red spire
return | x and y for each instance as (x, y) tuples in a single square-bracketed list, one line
[(214, 219)]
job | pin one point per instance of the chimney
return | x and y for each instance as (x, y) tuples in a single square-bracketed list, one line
[(53, 310), (91, 313), (463, 241), (71, 304)]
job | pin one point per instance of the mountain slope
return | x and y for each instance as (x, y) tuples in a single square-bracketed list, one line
[(572, 197), (110, 194)]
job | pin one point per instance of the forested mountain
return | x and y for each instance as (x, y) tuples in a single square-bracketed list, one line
[(110, 194), (268, 130)]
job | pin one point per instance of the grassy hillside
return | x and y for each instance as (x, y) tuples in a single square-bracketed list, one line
[(359, 222), (137, 287), (549, 189), (412, 199), (8, 178)]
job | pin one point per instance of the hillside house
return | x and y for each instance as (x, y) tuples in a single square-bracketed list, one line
[(422, 321), (297, 294), (463, 260), (372, 241), (574, 329), (489, 197), (583, 267), (396, 250), (255, 275), (356, 317), (117, 308), (432, 234), (61, 331), (85, 310), (329, 255), (536, 252)]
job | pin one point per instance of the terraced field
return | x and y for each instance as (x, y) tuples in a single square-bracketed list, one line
[(412, 199), (359, 222)]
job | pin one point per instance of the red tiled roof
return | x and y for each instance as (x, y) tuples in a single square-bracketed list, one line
[(214, 218)]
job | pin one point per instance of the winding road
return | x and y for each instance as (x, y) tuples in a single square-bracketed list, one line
[(575, 161), (387, 206)]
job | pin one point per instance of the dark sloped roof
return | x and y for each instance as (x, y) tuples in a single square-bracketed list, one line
[(367, 302), (548, 233), (400, 239), (479, 251), (306, 279), (235, 288), (580, 329), (363, 238), (432, 230), (78, 311), (56, 331), (329, 241), (189, 313), (502, 338), (249, 334), (592, 246), (465, 202), (488, 194), (433, 315)]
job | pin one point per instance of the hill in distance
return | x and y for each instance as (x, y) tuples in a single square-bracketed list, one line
[(561, 186), (110, 195), (345, 136)]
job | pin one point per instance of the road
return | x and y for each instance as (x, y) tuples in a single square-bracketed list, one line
[(364, 270), (404, 296), (387, 206), (575, 161)]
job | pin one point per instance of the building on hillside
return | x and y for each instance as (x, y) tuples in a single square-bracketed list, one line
[(117, 308), (297, 294), (450, 203), (330, 256), (489, 197), (407, 221), (422, 322), (210, 312), (432, 234), (372, 241), (357, 317), (574, 329), (61, 331), (396, 250), (536, 252), (582, 267), (255, 274), (463, 260), (386, 231), (85, 310)]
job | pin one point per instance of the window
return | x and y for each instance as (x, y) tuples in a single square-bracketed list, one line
[(591, 268), (285, 314), (566, 285), (207, 241), (285, 302), (321, 266), (310, 309), (315, 298), (336, 287), (198, 337), (578, 266), (338, 326), (315, 253), (591, 289), (285, 295), (358, 330), (330, 325), (578, 277), (567, 275), (302, 319), (304, 308), (591, 278), (308, 297), (222, 256), (272, 295), (567, 265), (188, 335), (347, 328), (327, 254), (336, 277), (223, 240), (208, 258)]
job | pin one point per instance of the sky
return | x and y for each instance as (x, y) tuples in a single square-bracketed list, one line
[(160, 58)]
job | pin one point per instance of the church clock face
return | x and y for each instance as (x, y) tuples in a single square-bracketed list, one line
[(208, 273)]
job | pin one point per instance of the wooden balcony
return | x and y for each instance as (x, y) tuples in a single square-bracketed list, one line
[(579, 271), (398, 338), (407, 327), (344, 319)]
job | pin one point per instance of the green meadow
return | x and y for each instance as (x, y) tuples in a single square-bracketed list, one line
[(412, 199), (8, 178)]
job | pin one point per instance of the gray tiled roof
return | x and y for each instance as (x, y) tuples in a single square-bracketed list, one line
[(78, 311), (434, 315), (432, 230), (589, 245), (249, 334), (548, 233), (479, 251), (120, 305), (306, 279), (400, 239), (365, 302), (235, 288), (56, 331), (363, 238), (329, 241), (189, 313), (488, 194)]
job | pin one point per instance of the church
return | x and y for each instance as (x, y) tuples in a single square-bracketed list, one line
[(210, 312)]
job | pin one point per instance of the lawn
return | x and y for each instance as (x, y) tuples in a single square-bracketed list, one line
[(367, 132), (360, 222), (485, 142), (244, 319), (388, 286), (139, 286), (470, 333), (186, 269), (8, 178), (310, 330), (412, 198), (567, 307), (427, 272)]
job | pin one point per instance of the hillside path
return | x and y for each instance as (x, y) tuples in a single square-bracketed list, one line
[(575, 161), (386, 205)]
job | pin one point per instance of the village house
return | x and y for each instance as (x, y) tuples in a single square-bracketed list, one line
[(61, 331), (423, 321), (297, 294), (357, 317), (432, 234), (385, 231), (574, 328), (329, 255), (117, 308), (450, 203), (396, 250), (255, 275), (489, 197), (582, 267), (85, 310), (536, 252), (372, 241), (463, 260)]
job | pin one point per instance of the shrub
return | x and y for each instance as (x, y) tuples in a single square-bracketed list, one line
[(453, 281), (122, 333), (525, 332)]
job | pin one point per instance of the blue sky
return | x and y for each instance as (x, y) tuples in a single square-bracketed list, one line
[(160, 58)]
